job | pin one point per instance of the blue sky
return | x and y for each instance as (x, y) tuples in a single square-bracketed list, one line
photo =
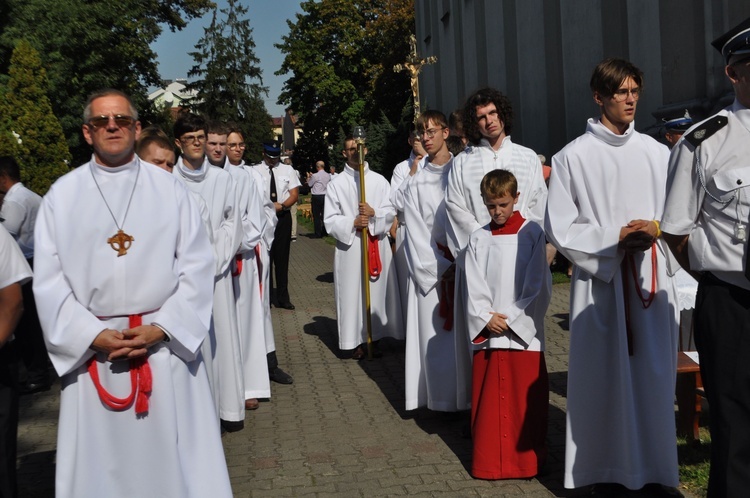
[(268, 20)]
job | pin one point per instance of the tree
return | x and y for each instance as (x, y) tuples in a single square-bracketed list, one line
[(340, 54), (36, 136), (230, 85), (93, 44)]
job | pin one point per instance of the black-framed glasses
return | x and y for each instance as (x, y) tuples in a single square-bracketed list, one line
[(621, 95), (121, 120), (190, 139)]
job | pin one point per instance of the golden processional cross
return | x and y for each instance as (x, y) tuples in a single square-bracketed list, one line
[(414, 65)]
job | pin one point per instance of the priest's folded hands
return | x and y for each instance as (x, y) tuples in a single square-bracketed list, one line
[(128, 343)]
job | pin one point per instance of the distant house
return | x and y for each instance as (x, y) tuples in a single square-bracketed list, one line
[(174, 96)]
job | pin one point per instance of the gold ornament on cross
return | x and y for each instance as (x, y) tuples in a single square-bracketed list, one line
[(414, 65)]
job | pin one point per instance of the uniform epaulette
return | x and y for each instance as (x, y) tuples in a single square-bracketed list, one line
[(706, 129)]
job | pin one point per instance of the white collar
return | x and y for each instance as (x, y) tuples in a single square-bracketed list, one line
[(197, 175), (597, 128)]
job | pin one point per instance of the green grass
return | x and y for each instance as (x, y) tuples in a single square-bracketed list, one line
[(694, 459)]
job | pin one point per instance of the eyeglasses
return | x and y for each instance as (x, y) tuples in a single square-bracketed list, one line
[(621, 95), (240, 145), (190, 139), (121, 121), (431, 132)]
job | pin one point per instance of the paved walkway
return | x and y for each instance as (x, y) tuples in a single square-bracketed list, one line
[(341, 428)]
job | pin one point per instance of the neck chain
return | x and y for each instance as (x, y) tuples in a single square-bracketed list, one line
[(120, 241)]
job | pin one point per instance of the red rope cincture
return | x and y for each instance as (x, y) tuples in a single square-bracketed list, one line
[(628, 266), (238, 265), (373, 249), (141, 381)]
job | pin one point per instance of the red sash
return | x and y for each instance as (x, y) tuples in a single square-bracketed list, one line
[(373, 249), (238, 265), (140, 381)]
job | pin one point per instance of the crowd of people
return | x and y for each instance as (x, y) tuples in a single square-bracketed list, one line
[(154, 275)]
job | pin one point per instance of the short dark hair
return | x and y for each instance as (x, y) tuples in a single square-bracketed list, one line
[(9, 166), (481, 98), (106, 92), (217, 128), (187, 122), (233, 127), (497, 183), (456, 122), (609, 74), (436, 117)]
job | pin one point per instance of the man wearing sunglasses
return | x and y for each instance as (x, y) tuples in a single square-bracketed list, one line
[(123, 278), (219, 190), (606, 197)]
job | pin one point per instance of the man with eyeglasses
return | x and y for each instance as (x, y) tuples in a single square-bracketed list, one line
[(219, 191), (235, 151), (344, 218), (283, 189), (431, 376), (487, 123), (123, 283), (706, 225), (606, 197)]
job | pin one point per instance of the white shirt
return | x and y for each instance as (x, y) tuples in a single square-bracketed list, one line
[(285, 176), (711, 214), (19, 216)]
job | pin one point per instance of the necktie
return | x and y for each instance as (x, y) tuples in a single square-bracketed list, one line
[(273, 186)]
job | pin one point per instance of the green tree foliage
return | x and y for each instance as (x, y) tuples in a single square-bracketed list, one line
[(340, 54), (38, 144), (230, 85), (87, 45)]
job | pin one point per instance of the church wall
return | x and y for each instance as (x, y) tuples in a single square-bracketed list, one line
[(541, 54)]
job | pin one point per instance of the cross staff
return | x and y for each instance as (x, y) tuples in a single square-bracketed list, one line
[(414, 65), (359, 139)]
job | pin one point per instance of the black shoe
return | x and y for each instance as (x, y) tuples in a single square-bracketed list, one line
[(232, 426), (34, 387), (280, 377), (286, 306)]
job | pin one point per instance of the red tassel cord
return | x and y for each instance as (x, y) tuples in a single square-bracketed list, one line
[(141, 381)]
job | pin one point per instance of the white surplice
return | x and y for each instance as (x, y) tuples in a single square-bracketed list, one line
[(467, 213), (175, 449), (620, 413), (399, 180), (341, 208), (220, 193), (431, 377), (508, 274), (250, 315)]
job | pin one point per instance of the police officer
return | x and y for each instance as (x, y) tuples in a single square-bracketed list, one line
[(705, 223)]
